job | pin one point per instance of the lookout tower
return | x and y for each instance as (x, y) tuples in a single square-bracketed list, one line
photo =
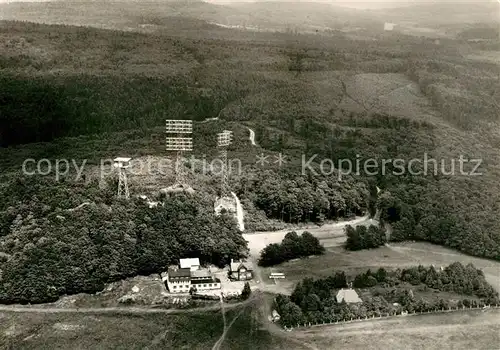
[(122, 164)]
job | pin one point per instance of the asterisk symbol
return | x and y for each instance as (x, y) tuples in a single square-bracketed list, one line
[(280, 159), (262, 159)]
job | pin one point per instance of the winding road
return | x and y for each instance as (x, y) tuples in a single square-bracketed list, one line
[(252, 137), (330, 234)]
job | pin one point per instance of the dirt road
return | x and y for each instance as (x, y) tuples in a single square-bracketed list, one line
[(329, 234), (113, 310), (252, 137)]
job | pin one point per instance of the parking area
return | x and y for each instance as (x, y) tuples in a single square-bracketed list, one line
[(229, 287)]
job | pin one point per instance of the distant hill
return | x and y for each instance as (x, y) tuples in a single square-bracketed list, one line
[(444, 12), (257, 15), (130, 15)]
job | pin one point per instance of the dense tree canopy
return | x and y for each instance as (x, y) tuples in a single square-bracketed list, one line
[(291, 198), (293, 246), (51, 251), (362, 237)]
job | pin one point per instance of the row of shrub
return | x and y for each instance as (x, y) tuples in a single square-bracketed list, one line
[(389, 293), (465, 304)]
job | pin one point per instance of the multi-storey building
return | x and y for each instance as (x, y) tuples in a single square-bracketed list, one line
[(181, 280), (202, 280), (178, 280)]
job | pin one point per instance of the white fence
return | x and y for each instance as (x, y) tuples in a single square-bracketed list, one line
[(403, 313)]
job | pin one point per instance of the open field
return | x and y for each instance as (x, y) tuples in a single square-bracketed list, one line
[(148, 331), (388, 92), (75, 331), (329, 234), (487, 56), (462, 330), (393, 256)]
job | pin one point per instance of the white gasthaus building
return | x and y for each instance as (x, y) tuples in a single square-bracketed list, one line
[(178, 280), (181, 280)]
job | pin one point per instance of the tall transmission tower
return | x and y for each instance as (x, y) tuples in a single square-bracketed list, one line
[(122, 163), (177, 141), (224, 139)]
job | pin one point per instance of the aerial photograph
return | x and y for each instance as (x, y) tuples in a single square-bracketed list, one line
[(250, 174)]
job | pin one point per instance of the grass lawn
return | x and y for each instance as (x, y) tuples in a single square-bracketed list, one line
[(77, 331), (247, 333), (461, 330), (397, 255), (149, 331)]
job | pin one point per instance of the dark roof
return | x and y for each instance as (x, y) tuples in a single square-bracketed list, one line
[(237, 265), (208, 280), (176, 273), (200, 274)]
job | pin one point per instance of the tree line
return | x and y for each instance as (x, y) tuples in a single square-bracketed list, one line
[(291, 247), (387, 292), (43, 108), (294, 199), (362, 237)]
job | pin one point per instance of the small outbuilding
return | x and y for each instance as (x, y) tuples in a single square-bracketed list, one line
[(349, 296), (191, 263)]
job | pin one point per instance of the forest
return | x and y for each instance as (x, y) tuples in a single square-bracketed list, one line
[(41, 109), (459, 212), (49, 251), (386, 292), (292, 198)]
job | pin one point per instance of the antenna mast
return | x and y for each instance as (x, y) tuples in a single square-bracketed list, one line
[(224, 139), (122, 163), (176, 140)]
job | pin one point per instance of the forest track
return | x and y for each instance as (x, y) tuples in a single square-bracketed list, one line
[(116, 310)]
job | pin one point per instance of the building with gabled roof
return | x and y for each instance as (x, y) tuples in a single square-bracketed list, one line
[(241, 270), (226, 203), (178, 280), (181, 280), (348, 295), (190, 263)]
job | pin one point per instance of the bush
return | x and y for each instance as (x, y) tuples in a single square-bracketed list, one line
[(245, 293), (362, 238), (293, 246)]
